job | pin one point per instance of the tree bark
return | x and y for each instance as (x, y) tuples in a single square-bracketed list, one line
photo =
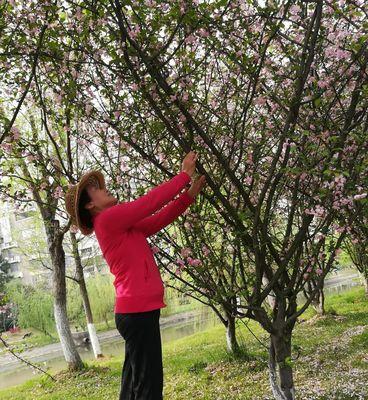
[(85, 299), (280, 370), (271, 297), (232, 343), (318, 302), (68, 346), (365, 280)]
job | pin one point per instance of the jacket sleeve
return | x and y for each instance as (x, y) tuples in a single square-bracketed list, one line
[(154, 223), (125, 214)]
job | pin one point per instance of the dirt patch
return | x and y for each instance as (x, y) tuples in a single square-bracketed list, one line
[(321, 318)]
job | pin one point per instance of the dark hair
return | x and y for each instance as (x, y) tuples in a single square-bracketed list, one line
[(84, 214)]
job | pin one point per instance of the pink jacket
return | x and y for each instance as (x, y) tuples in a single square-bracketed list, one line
[(122, 231)]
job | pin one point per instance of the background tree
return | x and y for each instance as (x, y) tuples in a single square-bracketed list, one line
[(4, 272), (356, 246)]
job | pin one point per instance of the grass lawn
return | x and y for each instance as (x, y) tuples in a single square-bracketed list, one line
[(332, 363)]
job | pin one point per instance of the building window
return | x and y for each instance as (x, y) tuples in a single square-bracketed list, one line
[(86, 252), (22, 215), (27, 233)]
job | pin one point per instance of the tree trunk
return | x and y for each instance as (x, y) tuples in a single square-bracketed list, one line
[(70, 352), (318, 302), (90, 325), (85, 298), (232, 344), (365, 281), (280, 371), (54, 238), (68, 346), (271, 297)]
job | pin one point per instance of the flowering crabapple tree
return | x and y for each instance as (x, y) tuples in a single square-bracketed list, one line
[(273, 97)]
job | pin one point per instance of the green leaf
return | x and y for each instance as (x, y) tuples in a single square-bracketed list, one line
[(317, 101)]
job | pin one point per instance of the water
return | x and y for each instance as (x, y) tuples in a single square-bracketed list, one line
[(15, 372)]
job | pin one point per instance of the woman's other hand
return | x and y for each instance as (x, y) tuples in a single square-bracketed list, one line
[(197, 186)]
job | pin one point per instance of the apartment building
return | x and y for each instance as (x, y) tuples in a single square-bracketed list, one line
[(23, 244)]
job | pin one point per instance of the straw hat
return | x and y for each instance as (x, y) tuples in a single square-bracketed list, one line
[(72, 197)]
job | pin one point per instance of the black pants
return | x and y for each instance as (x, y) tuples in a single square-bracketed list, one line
[(142, 374)]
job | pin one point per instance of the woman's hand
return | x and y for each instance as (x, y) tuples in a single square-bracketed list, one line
[(197, 186), (189, 163)]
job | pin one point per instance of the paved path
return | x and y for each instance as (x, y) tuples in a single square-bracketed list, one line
[(6, 360), (335, 280)]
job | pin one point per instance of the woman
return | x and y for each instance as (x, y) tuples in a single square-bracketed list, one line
[(122, 230)]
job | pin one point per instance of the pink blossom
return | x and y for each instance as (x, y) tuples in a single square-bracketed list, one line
[(179, 270), (294, 9), (88, 109), (190, 39), (194, 262), (134, 32), (202, 32), (6, 146), (185, 96), (185, 252), (31, 157), (320, 236), (322, 84), (187, 225), (338, 251), (205, 250), (260, 101), (318, 211), (118, 87), (155, 249), (360, 196), (180, 261), (58, 192), (74, 229), (16, 133)]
